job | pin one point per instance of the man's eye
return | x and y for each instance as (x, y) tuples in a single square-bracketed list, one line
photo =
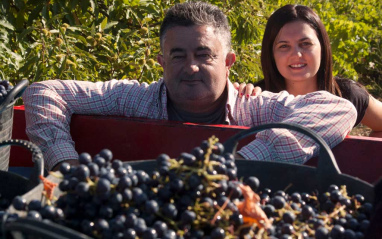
[(177, 57), (204, 55)]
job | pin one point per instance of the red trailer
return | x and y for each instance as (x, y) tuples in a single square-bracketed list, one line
[(136, 139)]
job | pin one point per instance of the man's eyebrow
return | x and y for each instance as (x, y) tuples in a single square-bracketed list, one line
[(174, 50), (203, 48)]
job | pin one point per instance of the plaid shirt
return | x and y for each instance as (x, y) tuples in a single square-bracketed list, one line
[(50, 104)]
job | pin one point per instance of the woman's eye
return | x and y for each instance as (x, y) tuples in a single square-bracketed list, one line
[(283, 46), (306, 44)]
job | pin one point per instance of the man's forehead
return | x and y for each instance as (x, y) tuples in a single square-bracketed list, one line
[(194, 38)]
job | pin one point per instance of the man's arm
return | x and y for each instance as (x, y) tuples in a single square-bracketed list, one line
[(329, 116), (49, 106)]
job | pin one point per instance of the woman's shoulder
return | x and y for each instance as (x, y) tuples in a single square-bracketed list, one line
[(351, 89)]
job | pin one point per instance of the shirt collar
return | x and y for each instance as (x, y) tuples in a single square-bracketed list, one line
[(231, 101)]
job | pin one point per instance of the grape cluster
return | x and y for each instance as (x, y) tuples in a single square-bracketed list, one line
[(197, 195), (5, 88)]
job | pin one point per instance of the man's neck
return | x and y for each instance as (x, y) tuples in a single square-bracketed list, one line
[(199, 113)]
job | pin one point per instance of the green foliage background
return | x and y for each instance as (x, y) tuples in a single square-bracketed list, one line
[(100, 40)]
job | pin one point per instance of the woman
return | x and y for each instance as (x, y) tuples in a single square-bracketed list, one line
[(296, 57)]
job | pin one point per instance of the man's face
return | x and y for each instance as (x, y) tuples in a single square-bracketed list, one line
[(196, 66)]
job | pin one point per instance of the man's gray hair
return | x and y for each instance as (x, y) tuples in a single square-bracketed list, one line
[(197, 14)]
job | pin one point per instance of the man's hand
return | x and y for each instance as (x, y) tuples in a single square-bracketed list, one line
[(70, 161), (238, 156), (247, 89)]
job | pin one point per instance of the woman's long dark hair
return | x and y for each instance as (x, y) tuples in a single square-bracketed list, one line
[(274, 81)]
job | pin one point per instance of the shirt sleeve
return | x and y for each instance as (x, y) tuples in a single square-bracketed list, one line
[(327, 115), (49, 106)]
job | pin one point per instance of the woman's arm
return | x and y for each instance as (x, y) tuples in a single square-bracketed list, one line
[(373, 117)]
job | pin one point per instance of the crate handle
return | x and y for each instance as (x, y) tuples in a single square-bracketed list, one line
[(37, 158), (327, 164), (15, 93)]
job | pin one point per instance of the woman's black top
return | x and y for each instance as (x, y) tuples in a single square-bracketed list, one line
[(350, 90)]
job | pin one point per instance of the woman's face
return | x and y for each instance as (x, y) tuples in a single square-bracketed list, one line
[(297, 53)]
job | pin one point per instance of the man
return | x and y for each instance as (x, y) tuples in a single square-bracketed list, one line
[(196, 59)]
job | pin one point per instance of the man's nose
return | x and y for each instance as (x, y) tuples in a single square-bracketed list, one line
[(192, 66)]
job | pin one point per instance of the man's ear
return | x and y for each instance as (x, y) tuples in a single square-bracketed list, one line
[(229, 60), (160, 60)]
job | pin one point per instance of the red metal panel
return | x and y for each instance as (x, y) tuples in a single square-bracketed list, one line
[(133, 139)]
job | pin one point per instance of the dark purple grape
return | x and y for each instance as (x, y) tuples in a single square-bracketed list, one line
[(321, 233), (105, 211), (101, 225), (364, 225), (232, 173), (360, 198), (169, 210), (349, 234), (287, 228), (253, 183), (187, 217), (93, 169), (335, 196), (103, 186), (234, 190), (34, 215), (337, 232), (169, 234), (289, 217), (48, 212), (65, 168), (318, 223), (217, 233), (269, 210), (19, 203), (106, 154), (236, 219), (333, 187), (140, 226), (82, 189), (85, 158), (296, 197), (34, 205), (162, 159), (129, 234), (117, 224), (151, 207), (160, 227), (198, 152), (188, 159), (194, 181), (127, 195), (143, 177), (218, 148), (278, 202), (150, 233), (280, 193), (100, 161), (307, 212), (353, 224), (205, 145)]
